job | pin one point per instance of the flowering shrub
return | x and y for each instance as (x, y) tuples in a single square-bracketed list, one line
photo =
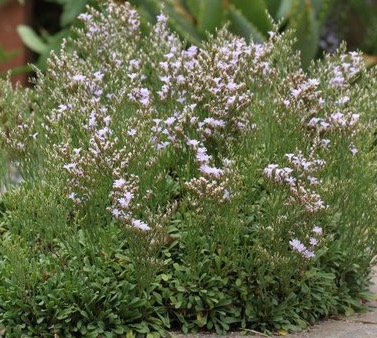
[(169, 186)]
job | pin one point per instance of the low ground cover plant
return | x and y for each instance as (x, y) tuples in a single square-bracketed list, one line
[(170, 187)]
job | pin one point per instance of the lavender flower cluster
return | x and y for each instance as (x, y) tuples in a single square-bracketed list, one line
[(125, 113)]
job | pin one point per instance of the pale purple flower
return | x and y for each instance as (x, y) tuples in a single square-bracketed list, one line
[(140, 224), (170, 120), (297, 245), (132, 76), (313, 241), (92, 119), (125, 200), (165, 78), (131, 132), (70, 166), (231, 86), (119, 183), (144, 96), (79, 78), (313, 180), (116, 212), (324, 143), (201, 155), (162, 145), (308, 254), (212, 171), (191, 51), (343, 100), (193, 143), (85, 16), (180, 79), (317, 230), (99, 76), (214, 122), (269, 170)]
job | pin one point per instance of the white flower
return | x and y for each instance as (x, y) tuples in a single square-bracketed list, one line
[(353, 149), (72, 196), (62, 107), (226, 195), (107, 120), (70, 166)]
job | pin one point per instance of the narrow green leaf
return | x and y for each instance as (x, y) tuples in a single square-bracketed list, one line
[(31, 39), (284, 9), (243, 27), (307, 33), (210, 15), (183, 22), (193, 5), (256, 12), (6, 55), (71, 10)]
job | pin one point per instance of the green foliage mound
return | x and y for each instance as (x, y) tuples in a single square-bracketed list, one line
[(170, 187)]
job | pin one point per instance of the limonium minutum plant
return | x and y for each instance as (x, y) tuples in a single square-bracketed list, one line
[(171, 187)]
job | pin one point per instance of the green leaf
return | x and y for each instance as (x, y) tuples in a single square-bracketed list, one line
[(183, 22), (6, 55), (71, 9), (307, 32), (284, 10), (165, 277), (194, 5), (273, 7), (31, 39), (3, 2), (243, 27), (210, 15), (256, 12)]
